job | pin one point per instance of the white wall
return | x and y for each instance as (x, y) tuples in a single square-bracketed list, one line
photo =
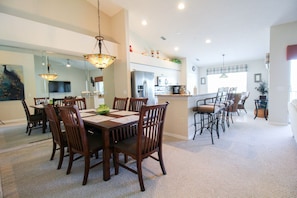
[(254, 67), (280, 37)]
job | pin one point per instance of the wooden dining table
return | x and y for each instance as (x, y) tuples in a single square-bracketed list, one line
[(107, 123)]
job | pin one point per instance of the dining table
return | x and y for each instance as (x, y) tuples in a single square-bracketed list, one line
[(107, 123)]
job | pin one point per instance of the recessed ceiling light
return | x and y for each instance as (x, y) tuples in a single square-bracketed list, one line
[(176, 48), (207, 41), (144, 22), (181, 6)]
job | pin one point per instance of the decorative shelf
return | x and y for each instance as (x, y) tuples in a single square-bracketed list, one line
[(147, 60)]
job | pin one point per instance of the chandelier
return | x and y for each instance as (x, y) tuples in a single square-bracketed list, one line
[(48, 76), (100, 60)]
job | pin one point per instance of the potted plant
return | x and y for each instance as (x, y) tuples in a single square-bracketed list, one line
[(262, 88)]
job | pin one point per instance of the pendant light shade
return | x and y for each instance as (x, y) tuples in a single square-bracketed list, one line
[(100, 60), (48, 76)]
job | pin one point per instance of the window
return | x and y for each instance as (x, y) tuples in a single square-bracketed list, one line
[(236, 79), (293, 92)]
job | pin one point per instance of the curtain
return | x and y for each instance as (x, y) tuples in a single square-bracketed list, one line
[(291, 52)]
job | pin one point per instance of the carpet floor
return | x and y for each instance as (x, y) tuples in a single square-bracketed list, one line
[(252, 159)]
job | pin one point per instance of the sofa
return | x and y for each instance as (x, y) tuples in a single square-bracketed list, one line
[(292, 107)]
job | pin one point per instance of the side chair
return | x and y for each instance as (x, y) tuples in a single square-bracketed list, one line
[(79, 142), (59, 136), (120, 103), (135, 104), (243, 98), (147, 141), (33, 120)]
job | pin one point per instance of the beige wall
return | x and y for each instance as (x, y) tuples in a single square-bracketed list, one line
[(13, 110)]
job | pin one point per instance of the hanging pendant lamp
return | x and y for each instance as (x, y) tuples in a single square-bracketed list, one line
[(48, 76), (223, 69), (100, 60)]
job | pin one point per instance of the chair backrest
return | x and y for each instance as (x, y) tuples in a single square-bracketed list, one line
[(244, 96), (58, 101), (135, 104), (150, 128), (38, 101), (79, 102), (75, 130), (221, 97), (54, 123), (120, 103), (27, 112)]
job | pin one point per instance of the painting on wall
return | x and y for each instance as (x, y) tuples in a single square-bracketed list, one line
[(11, 82)]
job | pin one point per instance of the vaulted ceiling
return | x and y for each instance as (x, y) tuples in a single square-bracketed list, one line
[(240, 29)]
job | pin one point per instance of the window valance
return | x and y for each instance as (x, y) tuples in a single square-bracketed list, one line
[(291, 52), (227, 69)]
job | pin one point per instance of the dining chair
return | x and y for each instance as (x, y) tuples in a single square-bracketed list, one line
[(58, 136), (38, 101), (243, 98), (79, 142), (41, 100), (135, 104), (81, 103), (120, 103), (147, 141), (58, 102), (33, 120)]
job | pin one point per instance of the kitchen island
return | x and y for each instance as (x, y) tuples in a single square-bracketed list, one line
[(179, 120)]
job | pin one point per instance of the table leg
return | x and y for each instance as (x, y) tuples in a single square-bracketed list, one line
[(106, 155)]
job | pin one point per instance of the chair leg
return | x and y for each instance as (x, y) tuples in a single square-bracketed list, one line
[(61, 158), (54, 150), (87, 168), (70, 162), (139, 173), (161, 162)]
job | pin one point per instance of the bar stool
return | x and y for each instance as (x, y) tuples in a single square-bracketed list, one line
[(209, 111)]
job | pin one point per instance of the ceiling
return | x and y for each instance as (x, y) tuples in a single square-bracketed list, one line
[(240, 29)]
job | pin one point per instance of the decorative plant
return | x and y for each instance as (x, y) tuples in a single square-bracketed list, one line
[(262, 88)]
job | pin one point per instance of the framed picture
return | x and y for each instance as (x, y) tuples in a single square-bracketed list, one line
[(203, 81), (257, 78)]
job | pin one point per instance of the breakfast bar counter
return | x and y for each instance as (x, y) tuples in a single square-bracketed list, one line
[(179, 119)]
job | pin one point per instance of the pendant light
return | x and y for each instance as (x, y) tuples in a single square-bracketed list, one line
[(48, 76), (68, 63), (223, 69), (100, 60)]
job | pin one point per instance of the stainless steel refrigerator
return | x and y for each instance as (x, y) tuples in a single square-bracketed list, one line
[(143, 85)]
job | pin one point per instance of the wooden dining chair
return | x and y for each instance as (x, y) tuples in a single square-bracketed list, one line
[(79, 102), (38, 101), (120, 103), (33, 120), (241, 103), (135, 104), (41, 100), (79, 142), (58, 136), (58, 102), (147, 141)]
